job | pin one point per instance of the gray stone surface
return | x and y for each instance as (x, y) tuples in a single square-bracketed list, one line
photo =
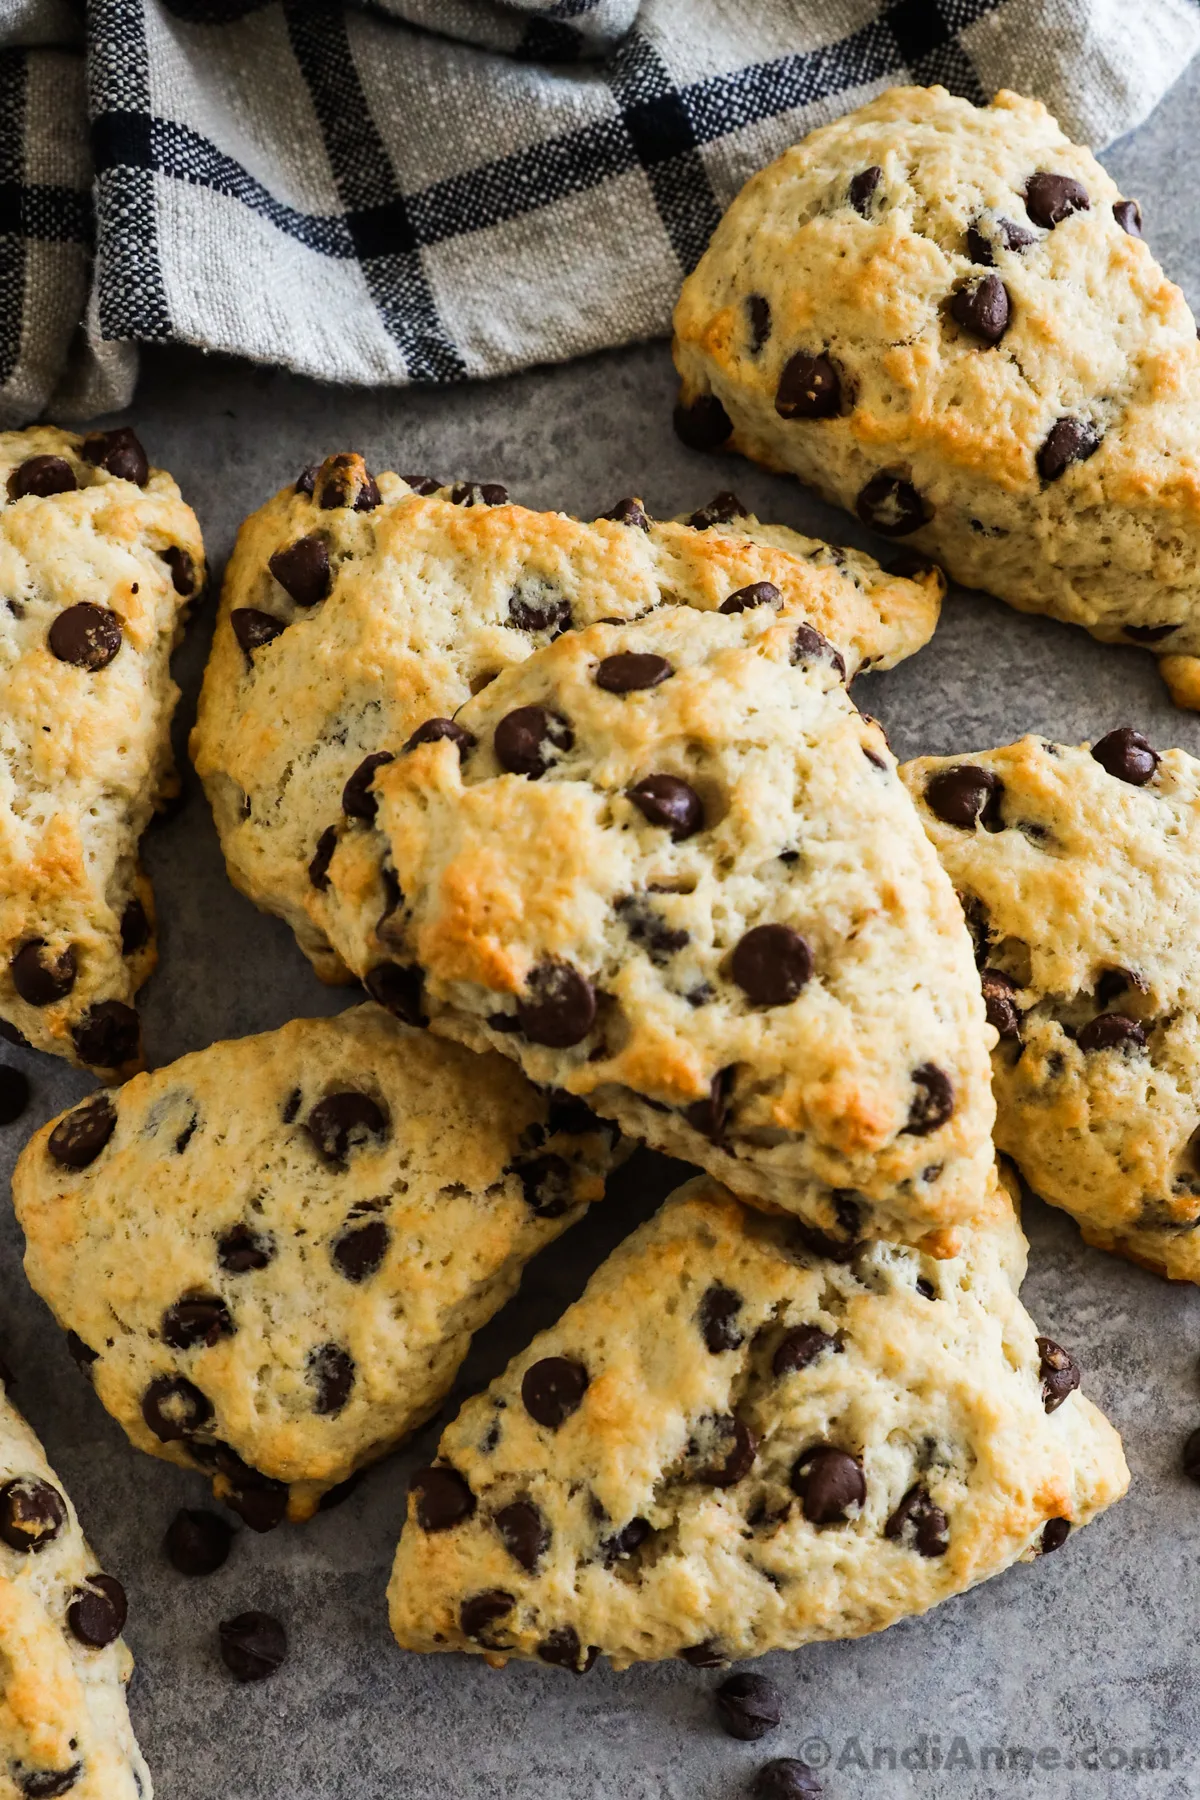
[(1086, 1658)]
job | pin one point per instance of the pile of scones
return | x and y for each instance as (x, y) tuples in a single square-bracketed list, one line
[(589, 812)]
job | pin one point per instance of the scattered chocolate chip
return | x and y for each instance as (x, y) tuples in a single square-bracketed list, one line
[(550, 615), (734, 1448), (1128, 215), (359, 1251), (14, 1094), (1068, 441), (559, 1006), (983, 308), (786, 1779), (197, 1542), (667, 801), (399, 988), (42, 476), (242, 1250), (1055, 1533), (1049, 199), (258, 1501), (524, 1533), (344, 480), (478, 493), (801, 1346), (933, 1102), (78, 1139), (32, 1513), (758, 309), (646, 926), (306, 481), (183, 569), (548, 1185), (97, 1612), (434, 730), (829, 1482), (342, 1122), (702, 424), (302, 570), (809, 645), (965, 795), (108, 1036), (525, 740), (253, 628), (1011, 236), (118, 451), (562, 1650), (924, 1286), (479, 1615), (757, 593), (1001, 1008), (628, 512), (748, 1706), (253, 1645), (190, 1323), (422, 484), (47, 1784), (86, 636), (862, 189), (771, 964), (918, 1522), (1116, 981), (722, 509), (358, 802), (1060, 1373), (1111, 1031), (322, 856), (135, 927), (709, 1114), (553, 1389), (889, 504), (441, 1497), (332, 1373), (174, 1408), (718, 1311), (809, 388), (630, 670), (1127, 755), (625, 1542)]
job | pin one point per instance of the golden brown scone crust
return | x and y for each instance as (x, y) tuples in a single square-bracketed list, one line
[(62, 1702), (424, 595), (1096, 334), (340, 1323), (85, 753), (928, 1373)]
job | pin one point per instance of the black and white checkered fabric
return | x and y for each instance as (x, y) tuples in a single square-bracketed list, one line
[(424, 190)]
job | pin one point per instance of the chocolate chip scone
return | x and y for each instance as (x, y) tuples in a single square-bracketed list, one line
[(99, 559), (64, 1727), (271, 1255), (355, 611), (669, 868), (944, 318), (1079, 870), (733, 1444)]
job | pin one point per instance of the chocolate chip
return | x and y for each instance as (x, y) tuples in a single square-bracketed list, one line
[(358, 802), (109, 1035), (919, 1523), (302, 570), (332, 1373), (625, 1542), (183, 569), (1116, 981), (97, 1612), (1059, 1371), (1127, 755), (771, 964), (551, 615), (192, 1322), (422, 484), (524, 740), (1011, 236), (42, 476), (809, 388), (241, 1250), (14, 1094), (1191, 1456), (478, 493), (734, 1448), (748, 1706), (628, 512), (1149, 634), (1112, 1031), (197, 1542), (703, 424), (829, 1482), (552, 1390), (758, 309), (933, 1102), (1049, 199), (253, 628), (78, 1139), (786, 1779), (809, 646), (260, 1502), (801, 1346), (562, 1650), (717, 1314), (910, 565), (647, 927), (965, 795), (1068, 441), (11, 1035), (434, 730), (707, 1655), (891, 505), (862, 189), (344, 480), (757, 593), (135, 927), (342, 1122), (399, 988), (559, 1006), (709, 1114), (722, 509), (360, 1250), (983, 308), (306, 481), (1128, 215), (253, 1645), (481, 1613), (86, 636), (120, 452), (322, 856), (629, 671), (667, 801), (524, 1532), (32, 1513), (174, 1408), (1001, 1008), (548, 1185), (47, 1784), (441, 1497), (1055, 1533)]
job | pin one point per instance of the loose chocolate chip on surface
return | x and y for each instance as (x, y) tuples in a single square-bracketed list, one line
[(1112, 1031), (183, 569), (734, 1448), (398, 987), (551, 1390), (722, 509), (809, 645), (302, 570), (547, 1183), (332, 1373), (524, 1532), (342, 1122), (42, 476), (434, 730), (120, 452), (667, 801), (1128, 215), (360, 1250), (748, 1706), (1001, 1008), (917, 1521), (862, 189), (809, 388), (629, 671), (786, 1779), (1068, 441), (14, 1094), (524, 740), (86, 636), (562, 1650), (757, 593), (479, 1615), (829, 1482), (629, 511), (703, 424), (1059, 1371), (707, 1655), (78, 1139), (241, 1250), (197, 1542), (709, 1114), (983, 308), (758, 311), (252, 1646), (135, 927), (559, 1006), (1006, 232), (32, 1513), (1055, 1534), (891, 505), (322, 856), (174, 1408), (1049, 199), (358, 802), (1127, 755), (771, 964), (964, 795), (550, 615), (109, 1035), (190, 1323), (802, 1346), (717, 1314), (98, 1611), (253, 628), (47, 1784), (933, 1102), (441, 1497)]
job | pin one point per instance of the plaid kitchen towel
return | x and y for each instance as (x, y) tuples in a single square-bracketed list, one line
[(424, 190)]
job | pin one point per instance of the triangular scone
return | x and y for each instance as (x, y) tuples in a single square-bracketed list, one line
[(943, 317), (1079, 870), (732, 1444), (401, 599), (100, 560), (64, 1727), (669, 868), (271, 1255)]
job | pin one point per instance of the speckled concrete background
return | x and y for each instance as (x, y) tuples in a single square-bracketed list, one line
[(1084, 1662)]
